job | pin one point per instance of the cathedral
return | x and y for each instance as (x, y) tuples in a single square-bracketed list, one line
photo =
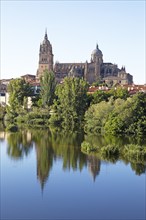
[(94, 71)]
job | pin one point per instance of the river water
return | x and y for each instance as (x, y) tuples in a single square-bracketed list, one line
[(44, 175)]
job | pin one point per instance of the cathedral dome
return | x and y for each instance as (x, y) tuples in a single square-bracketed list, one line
[(97, 52)]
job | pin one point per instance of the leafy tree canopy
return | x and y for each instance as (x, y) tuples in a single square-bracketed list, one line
[(48, 85), (119, 92), (100, 96), (18, 90), (71, 102)]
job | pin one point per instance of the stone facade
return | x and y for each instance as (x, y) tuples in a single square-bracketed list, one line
[(94, 71), (28, 77)]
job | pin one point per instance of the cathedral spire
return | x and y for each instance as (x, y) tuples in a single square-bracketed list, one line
[(46, 36)]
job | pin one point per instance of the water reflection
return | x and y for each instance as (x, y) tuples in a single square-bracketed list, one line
[(99, 140), (50, 145), (19, 144), (139, 167), (93, 166)]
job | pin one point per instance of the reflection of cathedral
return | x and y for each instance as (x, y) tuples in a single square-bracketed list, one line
[(93, 165), (92, 71)]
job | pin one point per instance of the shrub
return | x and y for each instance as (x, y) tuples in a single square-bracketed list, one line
[(134, 152), (96, 117), (36, 116), (12, 127), (110, 150), (87, 148)]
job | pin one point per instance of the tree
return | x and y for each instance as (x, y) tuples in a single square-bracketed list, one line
[(48, 85), (18, 90), (96, 117), (138, 125), (71, 103), (120, 118), (2, 112), (128, 116), (119, 92), (99, 96)]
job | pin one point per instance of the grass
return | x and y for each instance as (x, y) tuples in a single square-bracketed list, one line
[(129, 152)]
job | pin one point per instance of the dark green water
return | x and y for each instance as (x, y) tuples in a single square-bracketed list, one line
[(44, 175)]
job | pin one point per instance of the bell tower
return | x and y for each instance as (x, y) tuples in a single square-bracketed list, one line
[(45, 57), (97, 59)]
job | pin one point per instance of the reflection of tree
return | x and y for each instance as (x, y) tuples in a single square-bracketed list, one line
[(67, 146), (99, 141), (139, 168), (19, 144), (115, 140), (45, 154), (95, 140), (50, 145), (2, 127), (103, 140), (93, 165)]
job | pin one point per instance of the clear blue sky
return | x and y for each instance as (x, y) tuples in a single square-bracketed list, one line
[(74, 28)]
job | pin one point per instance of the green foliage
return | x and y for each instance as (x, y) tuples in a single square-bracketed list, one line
[(100, 96), (49, 145), (99, 83), (71, 103), (18, 144), (2, 112), (110, 153), (109, 112), (18, 91), (129, 116), (89, 99), (138, 167), (12, 127), (36, 101), (118, 117), (96, 83), (35, 117), (87, 148), (55, 120), (48, 85), (139, 114), (119, 92), (96, 117), (134, 152)]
